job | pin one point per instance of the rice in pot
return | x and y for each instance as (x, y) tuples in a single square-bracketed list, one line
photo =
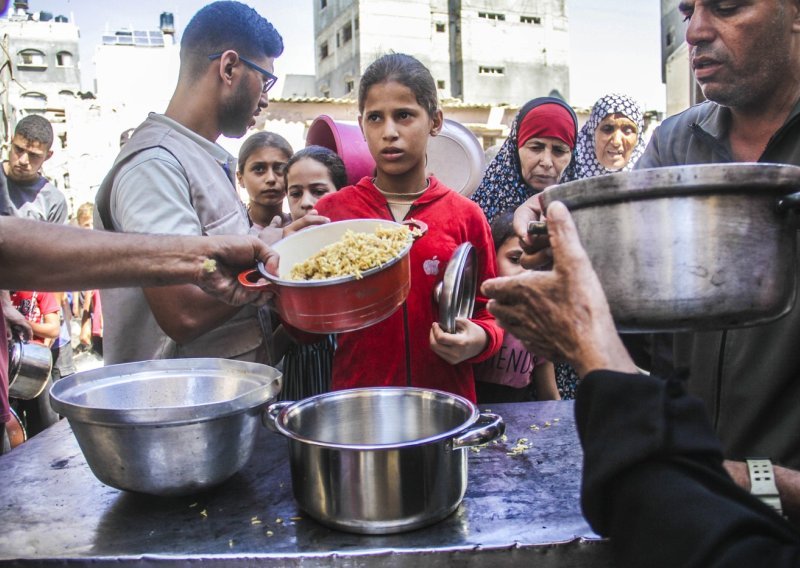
[(353, 254)]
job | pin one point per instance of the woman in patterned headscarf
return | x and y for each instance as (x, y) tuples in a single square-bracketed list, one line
[(534, 155), (610, 141)]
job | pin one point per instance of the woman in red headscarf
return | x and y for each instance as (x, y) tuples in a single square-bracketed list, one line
[(535, 154)]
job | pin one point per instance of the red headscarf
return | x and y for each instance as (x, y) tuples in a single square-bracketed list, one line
[(549, 120)]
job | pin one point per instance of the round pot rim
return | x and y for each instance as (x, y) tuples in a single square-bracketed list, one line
[(158, 416), (674, 181), (297, 406), (339, 279)]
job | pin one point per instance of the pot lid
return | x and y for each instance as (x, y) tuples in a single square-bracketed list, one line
[(456, 158), (672, 181), (456, 292), (168, 391)]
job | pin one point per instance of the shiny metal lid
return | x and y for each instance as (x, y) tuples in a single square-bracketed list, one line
[(456, 292)]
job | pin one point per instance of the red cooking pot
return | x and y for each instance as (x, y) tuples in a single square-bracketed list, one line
[(335, 305)]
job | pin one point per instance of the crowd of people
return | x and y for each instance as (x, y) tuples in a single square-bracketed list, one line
[(657, 480)]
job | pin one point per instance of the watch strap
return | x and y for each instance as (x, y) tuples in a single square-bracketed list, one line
[(762, 482)]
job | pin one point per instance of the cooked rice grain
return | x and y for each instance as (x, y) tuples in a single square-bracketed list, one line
[(353, 254)]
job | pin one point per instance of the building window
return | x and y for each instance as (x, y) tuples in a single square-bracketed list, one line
[(338, 44), (440, 84), (440, 27), (492, 16), (530, 19), (33, 99), (356, 23), (31, 58), (323, 4), (323, 50), (347, 32), (486, 70), (349, 86), (64, 59)]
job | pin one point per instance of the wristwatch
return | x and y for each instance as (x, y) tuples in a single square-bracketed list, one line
[(762, 482)]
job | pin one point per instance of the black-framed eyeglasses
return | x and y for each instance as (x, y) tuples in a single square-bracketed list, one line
[(269, 78)]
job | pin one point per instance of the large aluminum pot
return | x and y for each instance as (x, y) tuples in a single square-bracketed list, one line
[(335, 305), (381, 460), (692, 247), (170, 427), (29, 366)]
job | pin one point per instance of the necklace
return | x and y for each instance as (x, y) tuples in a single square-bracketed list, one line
[(404, 197)]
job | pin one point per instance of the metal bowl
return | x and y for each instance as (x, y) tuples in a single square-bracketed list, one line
[(170, 427)]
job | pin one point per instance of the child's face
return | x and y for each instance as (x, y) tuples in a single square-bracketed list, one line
[(306, 182), (508, 256), (262, 176), (397, 128)]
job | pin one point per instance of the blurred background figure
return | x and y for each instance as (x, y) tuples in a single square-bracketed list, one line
[(261, 169), (610, 141), (89, 351)]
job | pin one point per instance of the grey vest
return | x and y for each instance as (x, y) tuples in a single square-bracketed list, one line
[(130, 329)]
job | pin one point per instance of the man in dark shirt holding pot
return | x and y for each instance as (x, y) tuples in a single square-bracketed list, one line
[(746, 59)]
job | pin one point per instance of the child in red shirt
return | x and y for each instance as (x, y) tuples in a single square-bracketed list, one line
[(41, 310), (399, 111)]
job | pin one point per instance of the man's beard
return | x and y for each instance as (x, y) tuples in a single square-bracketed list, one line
[(235, 115)]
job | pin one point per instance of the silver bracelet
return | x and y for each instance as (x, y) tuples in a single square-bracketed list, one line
[(762, 482)]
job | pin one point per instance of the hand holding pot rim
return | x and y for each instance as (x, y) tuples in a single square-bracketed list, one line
[(561, 313), (536, 248)]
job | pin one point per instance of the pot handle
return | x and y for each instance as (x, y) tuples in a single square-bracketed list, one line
[(249, 279), (537, 228), (270, 414), (790, 202), (412, 224), (488, 427)]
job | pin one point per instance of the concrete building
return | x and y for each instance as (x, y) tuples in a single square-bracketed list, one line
[(40, 53), (39, 75), (676, 72), (479, 51), (136, 71)]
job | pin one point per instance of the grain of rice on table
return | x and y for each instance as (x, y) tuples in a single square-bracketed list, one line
[(353, 254)]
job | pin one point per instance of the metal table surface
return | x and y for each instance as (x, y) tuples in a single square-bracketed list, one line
[(519, 509)]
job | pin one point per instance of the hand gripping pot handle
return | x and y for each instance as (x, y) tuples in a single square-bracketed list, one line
[(486, 428), (270, 415)]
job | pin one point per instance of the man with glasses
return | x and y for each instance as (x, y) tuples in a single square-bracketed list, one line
[(172, 178)]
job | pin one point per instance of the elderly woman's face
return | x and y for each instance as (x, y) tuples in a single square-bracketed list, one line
[(542, 160), (614, 140)]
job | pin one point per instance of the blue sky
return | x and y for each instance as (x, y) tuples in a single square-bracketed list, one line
[(613, 46)]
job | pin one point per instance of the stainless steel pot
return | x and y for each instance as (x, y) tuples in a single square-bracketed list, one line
[(169, 427), (381, 460), (29, 366), (692, 247)]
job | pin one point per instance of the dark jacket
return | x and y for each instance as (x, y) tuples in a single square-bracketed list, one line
[(653, 481), (396, 351), (748, 378)]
